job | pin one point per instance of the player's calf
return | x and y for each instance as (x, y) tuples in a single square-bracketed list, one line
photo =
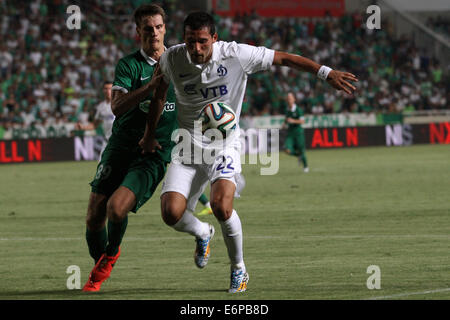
[(96, 212)]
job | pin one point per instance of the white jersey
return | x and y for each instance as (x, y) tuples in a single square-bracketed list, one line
[(223, 78), (105, 114)]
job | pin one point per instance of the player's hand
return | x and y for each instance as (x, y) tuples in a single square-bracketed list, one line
[(156, 78), (149, 145), (341, 81)]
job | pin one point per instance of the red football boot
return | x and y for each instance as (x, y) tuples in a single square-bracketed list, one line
[(101, 272)]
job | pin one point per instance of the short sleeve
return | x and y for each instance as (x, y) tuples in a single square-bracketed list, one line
[(122, 77), (254, 59)]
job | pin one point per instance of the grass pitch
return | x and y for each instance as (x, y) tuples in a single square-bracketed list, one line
[(306, 236)]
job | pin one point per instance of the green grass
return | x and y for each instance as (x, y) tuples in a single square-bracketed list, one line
[(306, 236)]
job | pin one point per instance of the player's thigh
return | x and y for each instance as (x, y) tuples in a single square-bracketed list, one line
[(141, 180), (226, 181), (181, 188), (111, 170)]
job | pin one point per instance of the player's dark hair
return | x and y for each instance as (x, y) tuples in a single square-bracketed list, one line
[(146, 10), (107, 82), (198, 20)]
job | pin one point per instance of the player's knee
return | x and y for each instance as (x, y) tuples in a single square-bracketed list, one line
[(222, 209), (172, 209), (95, 223), (116, 211)]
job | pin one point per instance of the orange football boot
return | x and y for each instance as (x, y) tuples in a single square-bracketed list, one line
[(101, 272)]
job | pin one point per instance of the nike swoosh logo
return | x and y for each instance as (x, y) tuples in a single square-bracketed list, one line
[(184, 75), (145, 78)]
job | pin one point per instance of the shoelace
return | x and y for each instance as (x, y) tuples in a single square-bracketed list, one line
[(202, 245), (101, 267), (103, 263), (236, 278)]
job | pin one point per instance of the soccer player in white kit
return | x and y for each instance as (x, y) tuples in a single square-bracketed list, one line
[(204, 70), (104, 115)]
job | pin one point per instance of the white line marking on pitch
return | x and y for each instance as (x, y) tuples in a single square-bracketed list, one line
[(409, 294), (311, 237)]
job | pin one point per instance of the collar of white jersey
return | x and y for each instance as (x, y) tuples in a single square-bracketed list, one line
[(294, 106), (150, 60), (214, 58)]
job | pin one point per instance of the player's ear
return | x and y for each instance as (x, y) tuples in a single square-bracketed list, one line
[(215, 37), (138, 31)]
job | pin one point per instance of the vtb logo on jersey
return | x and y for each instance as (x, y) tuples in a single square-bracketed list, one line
[(222, 71), (207, 92)]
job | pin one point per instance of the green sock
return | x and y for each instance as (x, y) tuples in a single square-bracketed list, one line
[(96, 241), (116, 231), (203, 199), (304, 161)]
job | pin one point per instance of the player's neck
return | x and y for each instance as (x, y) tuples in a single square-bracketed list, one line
[(154, 54)]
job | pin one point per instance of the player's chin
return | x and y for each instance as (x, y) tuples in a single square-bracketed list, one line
[(198, 59), (155, 44)]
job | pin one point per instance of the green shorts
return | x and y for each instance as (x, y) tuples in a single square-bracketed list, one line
[(295, 143), (119, 167)]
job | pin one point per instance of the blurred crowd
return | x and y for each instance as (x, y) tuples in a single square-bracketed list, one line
[(439, 24), (51, 74)]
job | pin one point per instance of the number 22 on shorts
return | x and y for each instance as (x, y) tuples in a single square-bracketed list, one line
[(226, 165)]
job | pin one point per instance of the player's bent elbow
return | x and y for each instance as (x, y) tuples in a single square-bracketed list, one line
[(116, 110)]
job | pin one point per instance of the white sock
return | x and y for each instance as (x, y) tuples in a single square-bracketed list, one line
[(232, 234), (190, 224), (208, 205)]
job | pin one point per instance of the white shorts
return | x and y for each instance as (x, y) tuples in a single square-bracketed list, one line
[(190, 180)]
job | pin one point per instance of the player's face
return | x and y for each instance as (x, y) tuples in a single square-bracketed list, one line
[(290, 99), (107, 91), (199, 44), (151, 31)]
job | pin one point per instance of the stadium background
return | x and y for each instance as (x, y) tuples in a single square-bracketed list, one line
[(51, 79), (49, 92)]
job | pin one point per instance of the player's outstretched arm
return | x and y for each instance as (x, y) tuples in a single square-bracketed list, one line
[(122, 102), (148, 142), (338, 79)]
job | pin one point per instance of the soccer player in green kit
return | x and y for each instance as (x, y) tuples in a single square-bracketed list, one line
[(295, 140), (125, 177)]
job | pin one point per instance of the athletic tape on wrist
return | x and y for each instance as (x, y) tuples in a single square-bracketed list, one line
[(323, 72)]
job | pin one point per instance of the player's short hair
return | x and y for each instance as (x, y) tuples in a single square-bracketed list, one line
[(198, 20), (146, 10), (107, 82)]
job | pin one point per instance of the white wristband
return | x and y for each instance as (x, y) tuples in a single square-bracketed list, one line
[(323, 72)]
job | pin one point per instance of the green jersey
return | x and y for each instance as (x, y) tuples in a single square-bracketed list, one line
[(295, 113), (132, 72)]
